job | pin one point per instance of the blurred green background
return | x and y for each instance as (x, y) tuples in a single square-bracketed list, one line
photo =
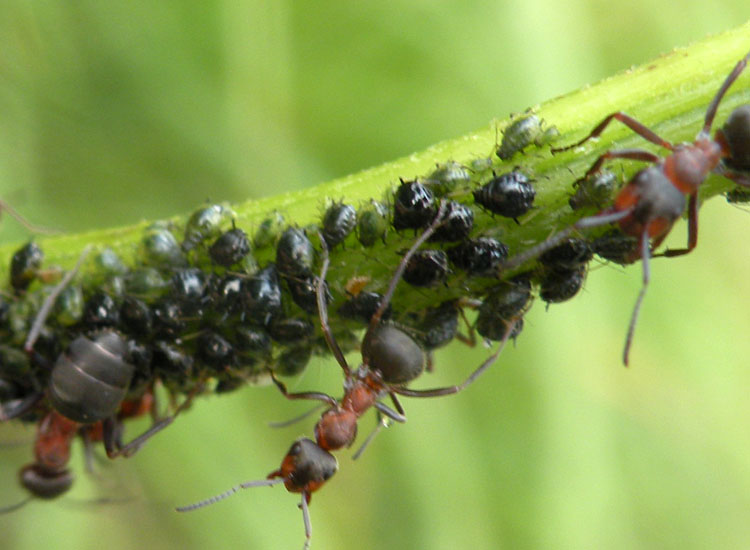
[(115, 112)]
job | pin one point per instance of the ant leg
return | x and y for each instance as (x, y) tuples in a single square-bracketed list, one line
[(645, 254), (306, 519), (382, 423), (437, 392), (692, 230), (738, 178), (49, 302), (630, 154), (375, 319), (24, 222), (320, 297), (714, 105), (390, 413), (111, 431), (314, 395), (628, 121), (19, 407), (603, 218), (229, 493)]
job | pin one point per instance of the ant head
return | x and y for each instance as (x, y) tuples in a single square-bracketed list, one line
[(306, 467), (44, 483), (393, 354), (736, 132)]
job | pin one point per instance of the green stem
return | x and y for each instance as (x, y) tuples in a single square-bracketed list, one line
[(669, 95)]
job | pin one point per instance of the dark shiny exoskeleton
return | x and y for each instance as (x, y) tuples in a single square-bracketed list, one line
[(457, 224), (363, 306), (521, 133), (390, 360), (413, 206), (561, 284), (230, 248), (426, 268), (510, 195), (101, 311), (615, 246), (569, 254), (504, 303), (303, 293), (649, 204), (478, 257), (294, 254), (290, 329), (261, 295), (91, 379), (24, 266), (338, 221), (205, 224)]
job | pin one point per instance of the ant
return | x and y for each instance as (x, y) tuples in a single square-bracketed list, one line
[(650, 203), (390, 360)]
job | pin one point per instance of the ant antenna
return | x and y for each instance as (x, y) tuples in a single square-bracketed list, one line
[(16, 506), (229, 493), (24, 222), (49, 302)]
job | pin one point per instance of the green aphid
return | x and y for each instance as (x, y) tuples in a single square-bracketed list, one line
[(207, 224), (372, 223), (269, 230), (522, 132), (446, 177)]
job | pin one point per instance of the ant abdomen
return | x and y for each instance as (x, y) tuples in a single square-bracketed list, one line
[(88, 383), (394, 354), (44, 483), (736, 131)]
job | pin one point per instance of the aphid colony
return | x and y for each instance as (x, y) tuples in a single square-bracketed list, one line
[(208, 308)]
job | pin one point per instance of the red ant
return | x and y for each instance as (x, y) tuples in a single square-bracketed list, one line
[(650, 203), (390, 360), (48, 476)]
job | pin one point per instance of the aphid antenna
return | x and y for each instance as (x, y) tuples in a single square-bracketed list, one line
[(228, 493)]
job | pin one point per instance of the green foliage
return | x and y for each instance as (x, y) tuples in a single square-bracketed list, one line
[(113, 114)]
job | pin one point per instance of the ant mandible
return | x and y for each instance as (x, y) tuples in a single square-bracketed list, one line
[(650, 203), (390, 360)]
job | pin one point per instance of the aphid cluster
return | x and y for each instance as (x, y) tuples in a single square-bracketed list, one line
[(211, 305)]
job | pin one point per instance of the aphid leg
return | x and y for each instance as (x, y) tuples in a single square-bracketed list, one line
[(229, 493), (645, 253), (382, 423), (375, 319), (692, 230), (603, 218), (714, 105), (471, 339), (628, 121), (437, 392), (314, 395), (49, 302), (323, 309), (306, 519)]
